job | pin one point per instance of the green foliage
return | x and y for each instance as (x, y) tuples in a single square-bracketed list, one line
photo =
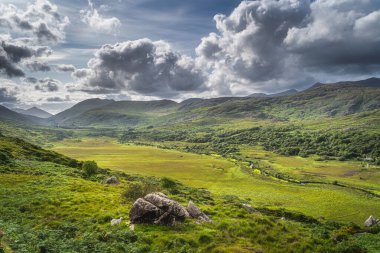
[(90, 168), (137, 190), (5, 157)]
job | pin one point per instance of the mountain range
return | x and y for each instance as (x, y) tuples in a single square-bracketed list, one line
[(320, 100)]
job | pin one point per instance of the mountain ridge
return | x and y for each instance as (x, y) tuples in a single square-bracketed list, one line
[(320, 100), (34, 111)]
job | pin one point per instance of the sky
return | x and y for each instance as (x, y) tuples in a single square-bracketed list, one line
[(56, 53)]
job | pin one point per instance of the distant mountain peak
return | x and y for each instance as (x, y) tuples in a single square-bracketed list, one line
[(34, 111)]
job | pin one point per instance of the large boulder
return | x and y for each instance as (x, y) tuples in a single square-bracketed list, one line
[(371, 221), (196, 213), (144, 212), (157, 208)]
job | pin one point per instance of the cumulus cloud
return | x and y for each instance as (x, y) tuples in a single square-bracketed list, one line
[(40, 23), (40, 19), (143, 67), (95, 20), (275, 44), (48, 85), (7, 96), (66, 68)]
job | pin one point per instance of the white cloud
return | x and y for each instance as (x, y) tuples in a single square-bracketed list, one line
[(271, 45), (24, 34), (94, 19), (65, 68)]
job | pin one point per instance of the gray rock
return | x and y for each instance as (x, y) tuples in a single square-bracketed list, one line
[(157, 208), (196, 213), (371, 221), (111, 180)]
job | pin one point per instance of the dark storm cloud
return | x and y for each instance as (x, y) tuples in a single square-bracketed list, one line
[(48, 85), (12, 54), (38, 66), (272, 44), (143, 66)]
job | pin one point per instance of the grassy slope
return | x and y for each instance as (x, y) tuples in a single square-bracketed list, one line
[(224, 177)]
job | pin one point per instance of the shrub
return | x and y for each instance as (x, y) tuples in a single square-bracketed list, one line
[(5, 157), (90, 168), (205, 239), (140, 189)]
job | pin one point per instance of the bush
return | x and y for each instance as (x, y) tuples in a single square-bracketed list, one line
[(4, 157), (90, 168), (140, 189), (205, 239)]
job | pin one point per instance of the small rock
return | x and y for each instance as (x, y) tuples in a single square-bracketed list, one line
[(370, 221), (249, 208), (111, 180)]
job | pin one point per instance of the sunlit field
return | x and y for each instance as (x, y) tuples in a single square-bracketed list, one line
[(224, 177)]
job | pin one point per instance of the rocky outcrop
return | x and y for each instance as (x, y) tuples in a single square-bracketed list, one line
[(157, 208), (111, 180), (371, 221), (196, 213)]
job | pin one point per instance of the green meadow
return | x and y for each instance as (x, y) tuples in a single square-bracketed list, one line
[(223, 176)]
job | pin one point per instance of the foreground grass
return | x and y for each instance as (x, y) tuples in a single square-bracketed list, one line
[(51, 208), (222, 177)]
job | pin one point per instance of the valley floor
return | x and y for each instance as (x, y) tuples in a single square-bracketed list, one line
[(322, 199)]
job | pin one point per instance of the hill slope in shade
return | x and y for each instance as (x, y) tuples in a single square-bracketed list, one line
[(34, 111), (14, 117)]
